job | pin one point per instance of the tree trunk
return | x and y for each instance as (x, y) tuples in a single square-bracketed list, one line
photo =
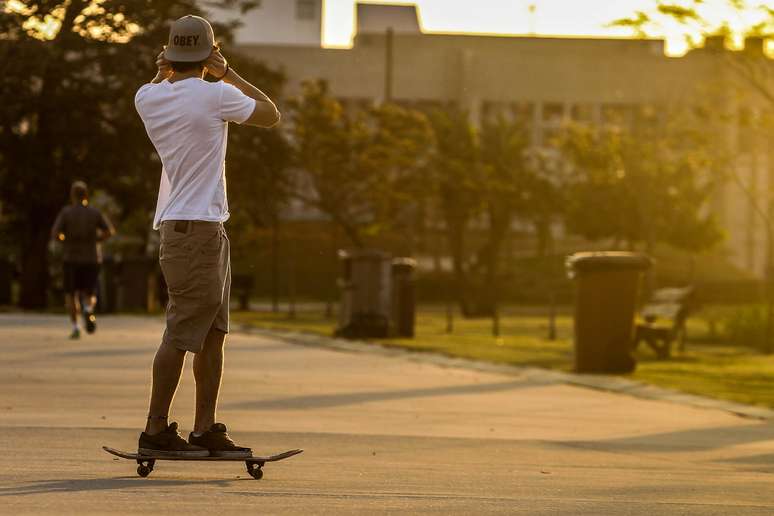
[(275, 269), (485, 296), (456, 235), (544, 237), (333, 291), (34, 270)]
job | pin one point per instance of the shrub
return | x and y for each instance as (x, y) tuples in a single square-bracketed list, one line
[(746, 326)]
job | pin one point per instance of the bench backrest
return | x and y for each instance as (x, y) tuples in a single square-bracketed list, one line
[(669, 303)]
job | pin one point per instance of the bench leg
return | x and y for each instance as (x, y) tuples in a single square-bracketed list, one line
[(660, 345)]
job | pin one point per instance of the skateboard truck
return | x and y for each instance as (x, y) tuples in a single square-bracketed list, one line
[(145, 466)]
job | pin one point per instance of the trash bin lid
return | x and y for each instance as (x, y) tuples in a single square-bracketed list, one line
[(363, 254), (404, 264), (607, 261)]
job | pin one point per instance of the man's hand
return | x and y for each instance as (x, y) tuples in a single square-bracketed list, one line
[(216, 64), (165, 68)]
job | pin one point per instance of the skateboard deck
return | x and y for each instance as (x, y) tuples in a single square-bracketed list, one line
[(254, 464)]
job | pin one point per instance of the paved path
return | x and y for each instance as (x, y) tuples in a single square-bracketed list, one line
[(381, 434)]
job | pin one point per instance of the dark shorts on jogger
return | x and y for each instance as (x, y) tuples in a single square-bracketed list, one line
[(80, 277), (195, 260)]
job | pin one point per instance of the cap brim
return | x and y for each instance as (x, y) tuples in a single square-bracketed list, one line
[(174, 54)]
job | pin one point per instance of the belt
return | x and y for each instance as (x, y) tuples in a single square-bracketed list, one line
[(185, 226)]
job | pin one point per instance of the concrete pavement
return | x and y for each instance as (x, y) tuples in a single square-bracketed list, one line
[(382, 434)]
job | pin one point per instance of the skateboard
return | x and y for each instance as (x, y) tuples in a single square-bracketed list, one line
[(254, 464)]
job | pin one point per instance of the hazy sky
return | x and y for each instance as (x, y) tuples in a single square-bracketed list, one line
[(547, 17)]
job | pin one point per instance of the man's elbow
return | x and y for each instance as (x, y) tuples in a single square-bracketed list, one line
[(271, 119), (265, 118), (276, 119)]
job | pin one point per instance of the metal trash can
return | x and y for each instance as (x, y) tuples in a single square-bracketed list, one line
[(608, 287), (403, 302), (366, 301)]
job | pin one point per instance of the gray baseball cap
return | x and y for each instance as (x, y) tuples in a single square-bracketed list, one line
[(190, 40)]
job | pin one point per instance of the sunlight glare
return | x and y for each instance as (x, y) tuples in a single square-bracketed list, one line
[(560, 18)]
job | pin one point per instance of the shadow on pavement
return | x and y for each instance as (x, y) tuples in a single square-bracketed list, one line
[(95, 353), (763, 462), (700, 439), (353, 398), (104, 484)]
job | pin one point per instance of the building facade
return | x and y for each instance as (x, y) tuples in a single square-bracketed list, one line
[(277, 22), (547, 81)]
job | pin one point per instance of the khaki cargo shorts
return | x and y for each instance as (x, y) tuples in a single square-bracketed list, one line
[(196, 263)]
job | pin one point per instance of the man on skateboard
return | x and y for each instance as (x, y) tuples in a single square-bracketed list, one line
[(186, 119), (81, 228)]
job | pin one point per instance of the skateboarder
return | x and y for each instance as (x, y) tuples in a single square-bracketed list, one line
[(187, 119), (81, 228)]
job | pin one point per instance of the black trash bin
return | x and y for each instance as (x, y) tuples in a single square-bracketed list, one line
[(608, 286), (403, 302), (365, 284)]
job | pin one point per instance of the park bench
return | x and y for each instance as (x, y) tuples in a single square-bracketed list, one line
[(661, 321)]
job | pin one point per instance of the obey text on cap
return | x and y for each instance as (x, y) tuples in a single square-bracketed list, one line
[(185, 41)]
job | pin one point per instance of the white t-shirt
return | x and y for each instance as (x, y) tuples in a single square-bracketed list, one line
[(187, 121)]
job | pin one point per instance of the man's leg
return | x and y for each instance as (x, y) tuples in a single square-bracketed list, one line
[(208, 371), (89, 319), (72, 300), (73, 306), (167, 368)]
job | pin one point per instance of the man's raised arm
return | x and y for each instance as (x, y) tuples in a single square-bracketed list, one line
[(265, 113)]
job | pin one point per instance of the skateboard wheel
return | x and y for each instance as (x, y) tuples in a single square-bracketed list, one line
[(257, 473), (143, 470)]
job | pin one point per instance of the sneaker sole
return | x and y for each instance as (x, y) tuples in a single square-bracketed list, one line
[(91, 326), (148, 452), (237, 454)]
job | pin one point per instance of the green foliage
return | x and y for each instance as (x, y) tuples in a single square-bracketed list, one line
[(489, 176), (69, 74), (648, 187), (361, 169), (745, 326), (699, 19)]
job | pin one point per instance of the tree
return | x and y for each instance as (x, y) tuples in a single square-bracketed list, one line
[(69, 74), (456, 176), (507, 182), (362, 169), (642, 188), (483, 180), (698, 20)]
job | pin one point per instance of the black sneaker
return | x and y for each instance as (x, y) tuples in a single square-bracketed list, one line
[(169, 444), (217, 441), (90, 321)]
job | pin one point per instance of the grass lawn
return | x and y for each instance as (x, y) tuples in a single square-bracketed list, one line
[(711, 369)]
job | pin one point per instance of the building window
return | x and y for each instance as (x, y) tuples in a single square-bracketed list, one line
[(306, 9), (553, 113), (582, 112), (618, 115)]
